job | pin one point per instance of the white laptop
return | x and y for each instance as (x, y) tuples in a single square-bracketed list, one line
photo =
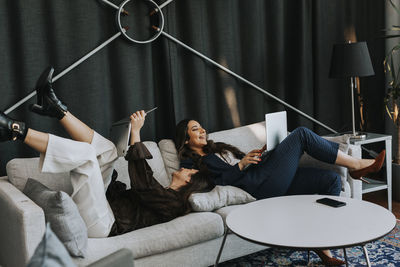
[(119, 134), (275, 128)]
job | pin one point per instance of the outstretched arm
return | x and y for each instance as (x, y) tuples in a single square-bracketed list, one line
[(140, 173), (137, 121)]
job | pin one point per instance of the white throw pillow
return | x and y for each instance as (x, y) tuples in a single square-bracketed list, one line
[(219, 197)]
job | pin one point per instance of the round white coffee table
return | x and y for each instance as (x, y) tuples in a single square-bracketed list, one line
[(299, 222)]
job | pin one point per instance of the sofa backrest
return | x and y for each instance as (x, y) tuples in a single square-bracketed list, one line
[(169, 155), (156, 164), (246, 138), (20, 169)]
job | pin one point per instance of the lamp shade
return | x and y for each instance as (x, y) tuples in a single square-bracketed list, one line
[(350, 60)]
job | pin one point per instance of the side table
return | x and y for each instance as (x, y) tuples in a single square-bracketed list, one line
[(374, 184)]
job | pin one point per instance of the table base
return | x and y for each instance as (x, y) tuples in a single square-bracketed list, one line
[(368, 263)]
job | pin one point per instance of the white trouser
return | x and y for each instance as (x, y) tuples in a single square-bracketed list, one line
[(90, 167)]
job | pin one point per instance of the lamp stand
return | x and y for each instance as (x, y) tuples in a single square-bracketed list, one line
[(355, 135)]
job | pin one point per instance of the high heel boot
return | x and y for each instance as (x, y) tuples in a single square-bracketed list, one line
[(11, 129), (47, 102)]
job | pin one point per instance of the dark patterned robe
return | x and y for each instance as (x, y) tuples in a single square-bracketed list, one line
[(147, 202)]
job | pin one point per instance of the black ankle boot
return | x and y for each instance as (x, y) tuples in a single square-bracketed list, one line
[(47, 102), (11, 129)]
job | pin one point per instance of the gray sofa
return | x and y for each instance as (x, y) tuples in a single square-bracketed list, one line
[(191, 240)]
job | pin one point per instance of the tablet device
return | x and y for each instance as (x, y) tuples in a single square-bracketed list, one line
[(119, 134)]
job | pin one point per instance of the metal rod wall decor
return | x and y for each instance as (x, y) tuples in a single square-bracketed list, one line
[(58, 76), (160, 31), (245, 80), (114, 6), (120, 10)]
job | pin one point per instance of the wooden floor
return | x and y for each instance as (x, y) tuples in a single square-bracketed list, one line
[(380, 198)]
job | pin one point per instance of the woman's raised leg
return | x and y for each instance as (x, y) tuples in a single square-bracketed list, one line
[(77, 129), (49, 105), (79, 159), (278, 171), (106, 152), (308, 181), (37, 140)]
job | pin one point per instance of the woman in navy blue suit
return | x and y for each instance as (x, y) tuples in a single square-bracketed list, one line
[(275, 174)]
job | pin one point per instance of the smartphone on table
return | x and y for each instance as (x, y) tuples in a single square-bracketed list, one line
[(331, 202)]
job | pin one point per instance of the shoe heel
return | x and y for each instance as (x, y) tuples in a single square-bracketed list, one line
[(365, 181)]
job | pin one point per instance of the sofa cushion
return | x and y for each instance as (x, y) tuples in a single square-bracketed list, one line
[(224, 212), (219, 197), (181, 232), (156, 164), (253, 134), (63, 215), (20, 169), (121, 166), (169, 155), (50, 252)]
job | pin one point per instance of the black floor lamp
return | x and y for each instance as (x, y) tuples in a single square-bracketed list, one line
[(351, 60)]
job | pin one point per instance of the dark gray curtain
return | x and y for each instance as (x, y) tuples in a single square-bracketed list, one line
[(281, 46)]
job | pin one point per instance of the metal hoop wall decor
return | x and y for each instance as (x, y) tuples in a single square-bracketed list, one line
[(159, 30), (151, 39)]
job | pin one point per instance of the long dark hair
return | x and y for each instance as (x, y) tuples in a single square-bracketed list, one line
[(184, 151), (199, 182)]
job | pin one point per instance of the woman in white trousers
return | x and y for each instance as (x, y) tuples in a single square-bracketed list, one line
[(89, 159)]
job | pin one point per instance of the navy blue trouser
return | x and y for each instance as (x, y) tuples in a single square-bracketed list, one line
[(282, 176)]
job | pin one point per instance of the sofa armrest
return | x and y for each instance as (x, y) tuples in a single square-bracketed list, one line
[(22, 225), (356, 188), (346, 189), (355, 151)]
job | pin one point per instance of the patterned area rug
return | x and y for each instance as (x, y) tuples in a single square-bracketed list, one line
[(383, 252)]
